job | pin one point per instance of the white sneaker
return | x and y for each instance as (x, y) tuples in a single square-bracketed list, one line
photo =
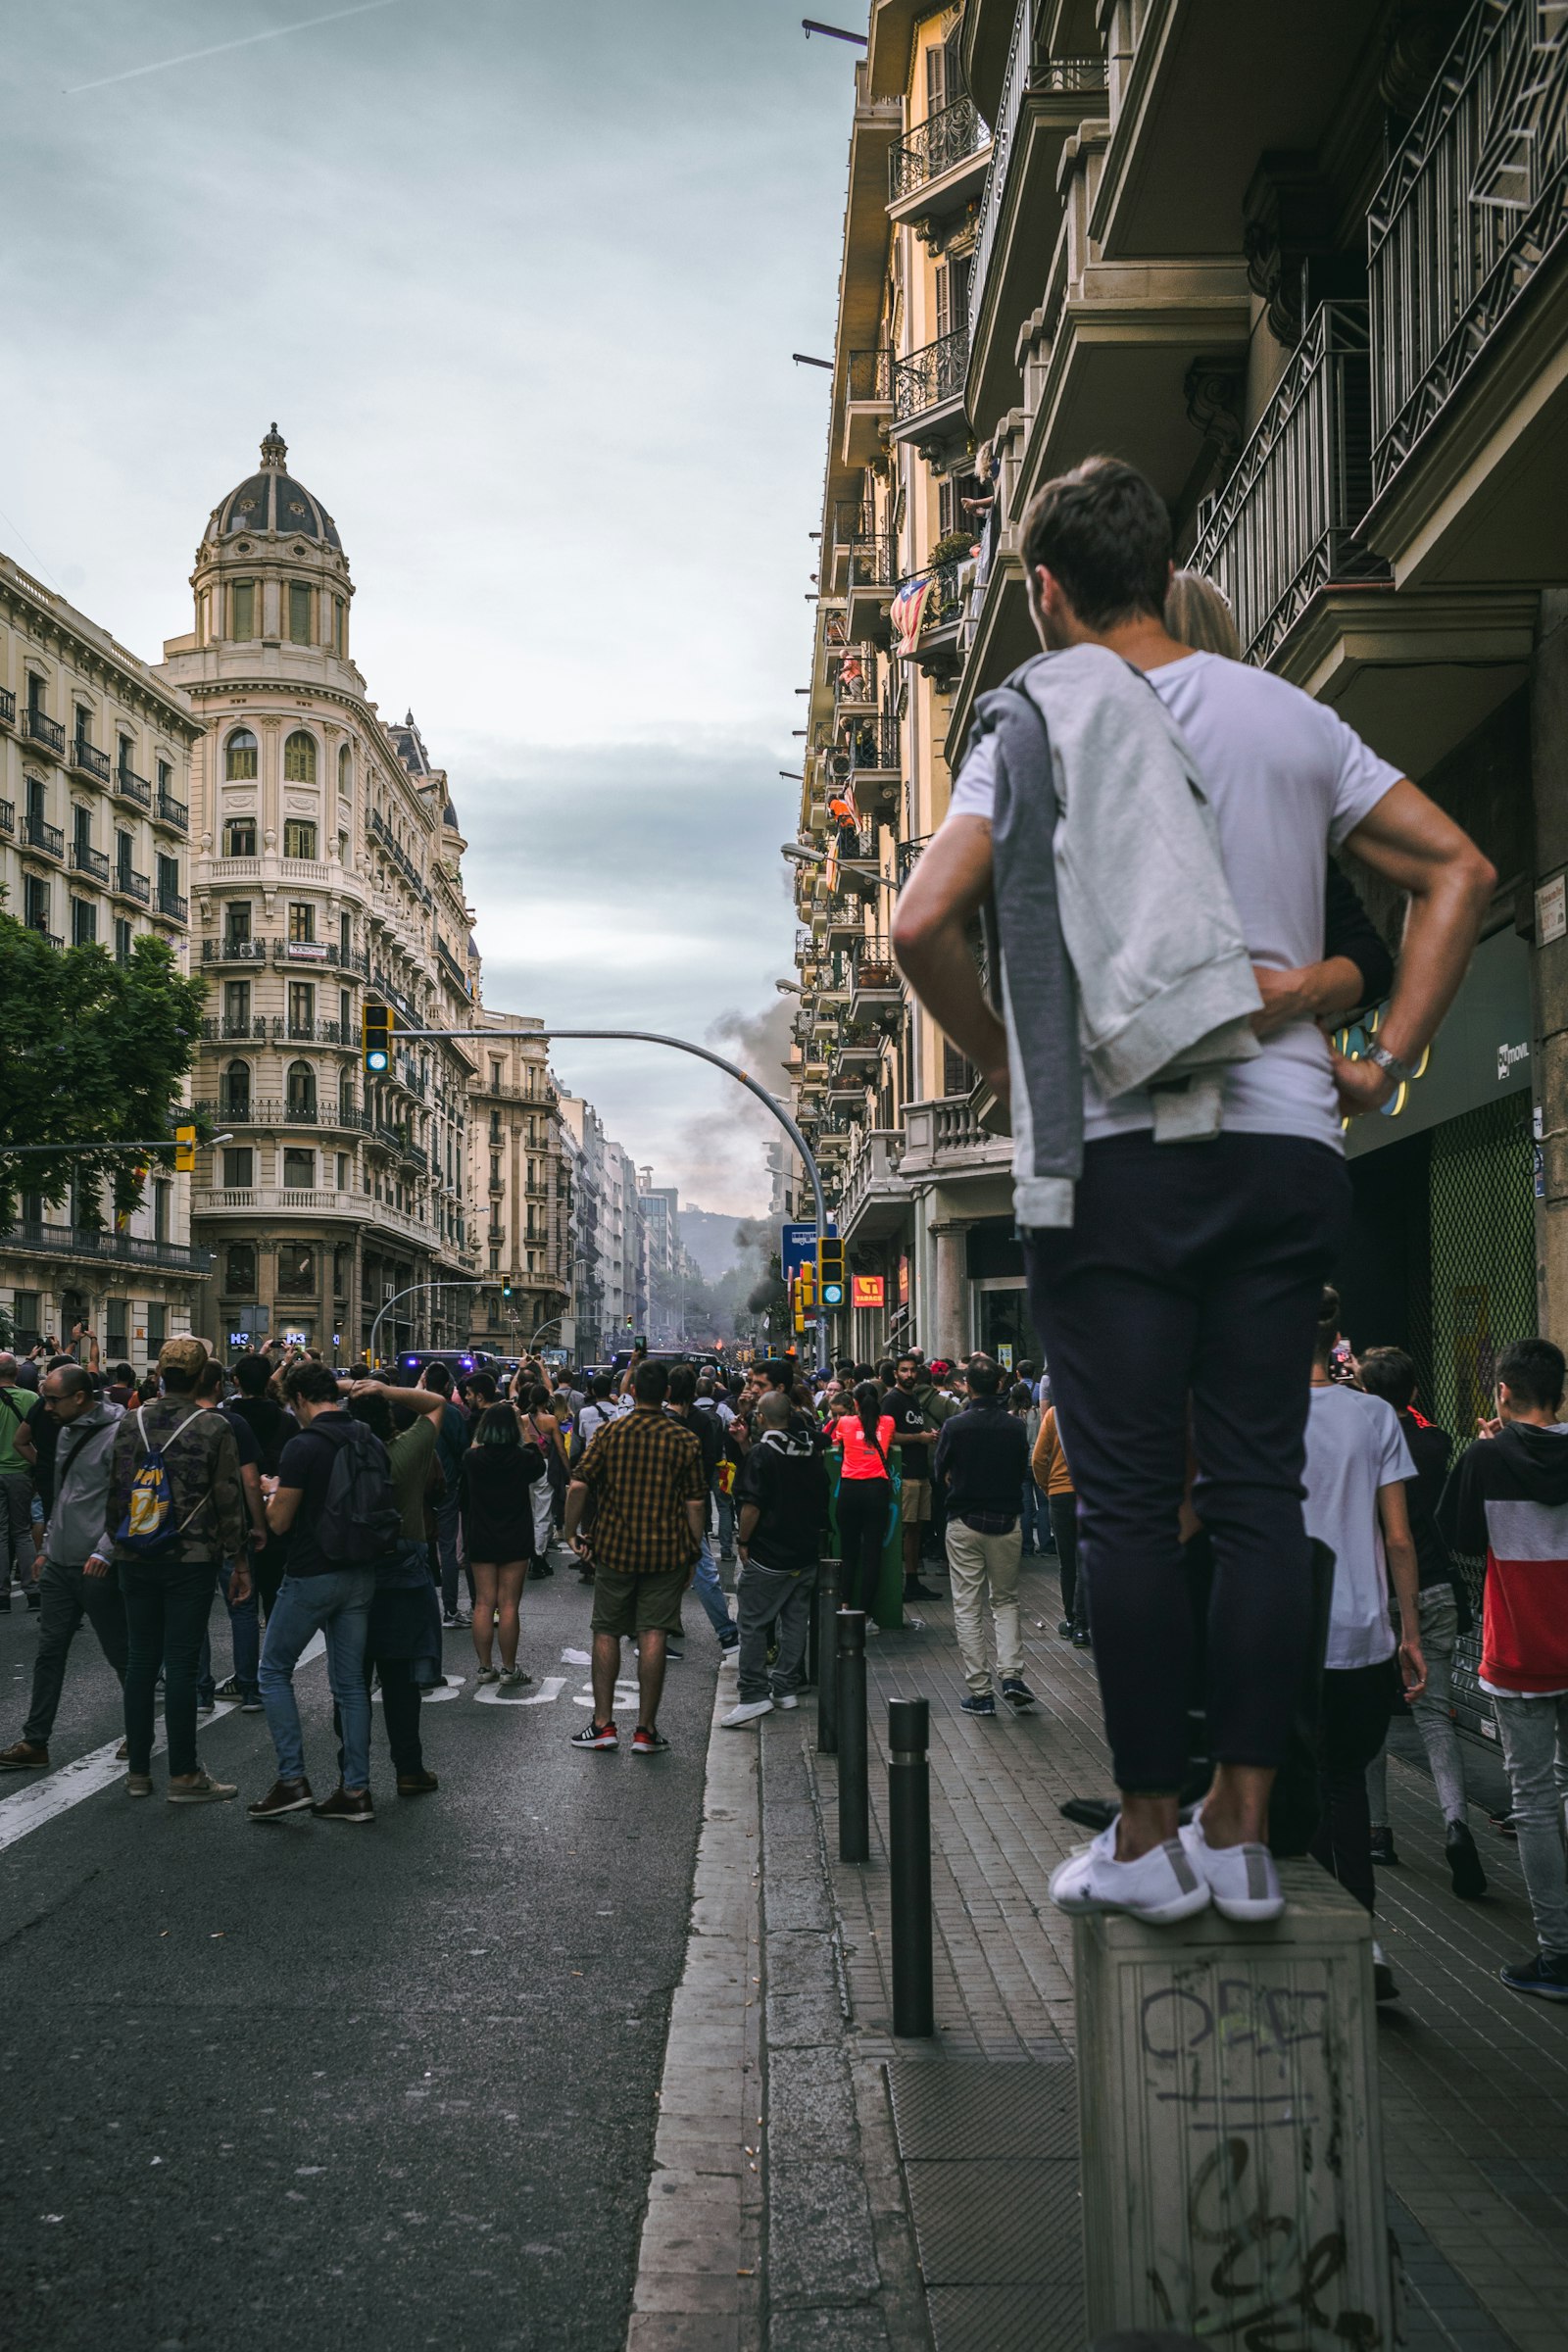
[(1160, 1886), (1242, 1880), (747, 1712), (785, 1699)]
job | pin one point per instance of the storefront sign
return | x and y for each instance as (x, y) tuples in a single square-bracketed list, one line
[(903, 1278), (867, 1290), (1551, 912), (1481, 1051)]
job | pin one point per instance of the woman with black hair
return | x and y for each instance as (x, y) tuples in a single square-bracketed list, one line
[(403, 1641), (866, 1490), (495, 1492)]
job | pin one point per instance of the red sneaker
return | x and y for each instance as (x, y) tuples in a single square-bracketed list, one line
[(645, 1742), (595, 1735)]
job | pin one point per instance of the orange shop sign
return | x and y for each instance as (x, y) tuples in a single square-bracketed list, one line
[(866, 1290)]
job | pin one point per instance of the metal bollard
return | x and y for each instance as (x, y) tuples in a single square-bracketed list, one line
[(910, 1853), (827, 1684), (854, 1796)]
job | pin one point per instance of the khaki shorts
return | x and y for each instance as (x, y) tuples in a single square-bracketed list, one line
[(624, 1606), (914, 1502)]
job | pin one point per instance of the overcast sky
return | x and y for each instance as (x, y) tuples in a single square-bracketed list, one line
[(521, 283)]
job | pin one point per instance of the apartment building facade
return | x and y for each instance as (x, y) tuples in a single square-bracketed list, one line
[(327, 867), (1313, 282), (95, 767), (526, 1179)]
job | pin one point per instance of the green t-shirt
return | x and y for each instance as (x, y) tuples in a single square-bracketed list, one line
[(15, 1406), (411, 1452)]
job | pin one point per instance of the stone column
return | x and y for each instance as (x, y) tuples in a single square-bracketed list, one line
[(948, 1341), (1548, 730)]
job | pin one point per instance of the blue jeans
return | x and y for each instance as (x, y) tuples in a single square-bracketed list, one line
[(245, 1632), (710, 1592), (726, 1521), (339, 1604)]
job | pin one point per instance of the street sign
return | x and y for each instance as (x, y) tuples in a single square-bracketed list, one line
[(797, 1243)]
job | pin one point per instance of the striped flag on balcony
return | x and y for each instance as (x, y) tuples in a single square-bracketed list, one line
[(906, 612)]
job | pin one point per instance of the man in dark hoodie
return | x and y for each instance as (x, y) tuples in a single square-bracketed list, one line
[(1508, 1499), (782, 1499)]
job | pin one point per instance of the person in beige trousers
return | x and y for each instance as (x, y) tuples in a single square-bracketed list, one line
[(982, 1458)]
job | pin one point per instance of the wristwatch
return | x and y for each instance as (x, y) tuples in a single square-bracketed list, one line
[(1399, 1071)]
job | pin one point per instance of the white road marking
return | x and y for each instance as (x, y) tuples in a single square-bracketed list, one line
[(73, 1783), (626, 1696), (490, 1695), (448, 1688), (575, 1657)]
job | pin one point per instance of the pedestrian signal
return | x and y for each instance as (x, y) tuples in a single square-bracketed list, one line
[(506, 1285), (830, 1272), (376, 1022), (184, 1149)]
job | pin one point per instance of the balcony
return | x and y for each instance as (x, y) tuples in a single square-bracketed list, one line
[(46, 838), (127, 883), (870, 575), (91, 762), (874, 1200), (940, 168), (250, 1200), (928, 389), (944, 1139), (8, 708), (1468, 284), (1282, 532), (170, 905), (89, 861), (270, 1112), (907, 857), (233, 951), (876, 992), (230, 1026), (867, 405), (131, 787), (47, 733), (171, 812), (103, 1247), (8, 817), (931, 620)]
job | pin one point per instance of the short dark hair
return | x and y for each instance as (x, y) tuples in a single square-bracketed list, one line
[(374, 1412), (1103, 531), (1534, 1370), (251, 1374), (776, 1373), (480, 1384), (1389, 1373), (1328, 1324), (437, 1377), (123, 1375), (173, 1382), (983, 1374), (73, 1380), (601, 1383), (498, 1426), (310, 1384), (682, 1384), (650, 1383)]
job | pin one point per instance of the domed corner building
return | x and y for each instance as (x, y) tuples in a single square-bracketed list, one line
[(325, 866)]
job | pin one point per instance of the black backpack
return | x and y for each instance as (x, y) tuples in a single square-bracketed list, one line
[(360, 1520)]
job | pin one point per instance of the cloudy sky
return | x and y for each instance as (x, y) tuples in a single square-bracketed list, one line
[(521, 283)]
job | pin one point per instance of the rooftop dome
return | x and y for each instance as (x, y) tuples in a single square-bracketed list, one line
[(274, 501)]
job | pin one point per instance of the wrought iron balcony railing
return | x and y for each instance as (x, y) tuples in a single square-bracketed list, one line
[(90, 759), (934, 146), (930, 377), (132, 786), (89, 861), (871, 563), (870, 375), (172, 904), (1030, 73), (40, 728), (8, 817), (8, 708), (99, 1242), (129, 884), (46, 837), (172, 813), (1283, 528), (868, 743), (907, 857), (233, 951), (1473, 205)]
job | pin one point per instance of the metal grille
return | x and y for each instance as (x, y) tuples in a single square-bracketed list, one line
[(1482, 1226)]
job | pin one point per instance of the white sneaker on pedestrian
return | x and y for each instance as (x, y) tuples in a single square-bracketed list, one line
[(785, 1699), (1242, 1880), (1160, 1886), (747, 1712)]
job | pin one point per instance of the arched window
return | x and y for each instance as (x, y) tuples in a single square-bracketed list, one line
[(239, 756), (299, 757), (345, 770), (237, 1091), (300, 1091)]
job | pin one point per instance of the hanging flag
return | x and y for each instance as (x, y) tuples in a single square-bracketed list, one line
[(907, 611), (122, 1216)]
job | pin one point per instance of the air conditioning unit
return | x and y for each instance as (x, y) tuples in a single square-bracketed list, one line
[(840, 767)]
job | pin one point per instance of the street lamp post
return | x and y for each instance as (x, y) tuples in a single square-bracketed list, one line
[(409, 1294)]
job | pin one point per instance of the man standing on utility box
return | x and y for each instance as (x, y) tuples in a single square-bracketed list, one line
[(1152, 827)]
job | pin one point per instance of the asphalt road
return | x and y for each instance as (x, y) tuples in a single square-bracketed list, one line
[(336, 2086)]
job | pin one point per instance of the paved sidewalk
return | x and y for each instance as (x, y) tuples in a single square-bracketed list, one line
[(1474, 2079)]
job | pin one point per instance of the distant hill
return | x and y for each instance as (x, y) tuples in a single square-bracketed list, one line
[(710, 1238)]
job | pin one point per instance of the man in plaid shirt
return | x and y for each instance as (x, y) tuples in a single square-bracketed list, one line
[(645, 1473)]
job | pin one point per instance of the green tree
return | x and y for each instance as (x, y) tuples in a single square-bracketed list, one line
[(89, 1049)]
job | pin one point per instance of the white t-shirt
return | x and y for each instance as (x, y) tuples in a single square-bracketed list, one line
[(1286, 780), (1355, 1445)]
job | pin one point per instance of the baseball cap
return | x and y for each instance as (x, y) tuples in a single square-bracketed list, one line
[(186, 1356)]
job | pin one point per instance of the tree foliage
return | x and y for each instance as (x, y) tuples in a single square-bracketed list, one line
[(90, 1050)]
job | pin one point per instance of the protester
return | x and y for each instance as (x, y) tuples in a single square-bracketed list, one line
[(1049, 1468), (178, 1514), (863, 1504), (78, 1577), (1507, 1501), (338, 1528), (18, 1459), (682, 1405), (451, 1444), (1357, 1463), (501, 1472), (982, 1459), (1033, 1520), (1176, 1256), (644, 1472), (244, 1624), (782, 1501), (918, 1412), (1444, 1613), (540, 1426), (402, 1633), (272, 1426)]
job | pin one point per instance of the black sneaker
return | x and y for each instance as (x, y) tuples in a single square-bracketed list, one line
[(595, 1735), (674, 1649), (34, 1597), (1080, 1638), (913, 1590), (1064, 1627), (1016, 1691), (284, 1797), (972, 1705), (1544, 1972), (232, 1688), (1468, 1878), (1383, 1847), (646, 1743)]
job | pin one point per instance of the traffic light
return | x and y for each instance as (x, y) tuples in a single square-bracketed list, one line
[(830, 1272), (377, 1025), (506, 1285), (184, 1151)]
